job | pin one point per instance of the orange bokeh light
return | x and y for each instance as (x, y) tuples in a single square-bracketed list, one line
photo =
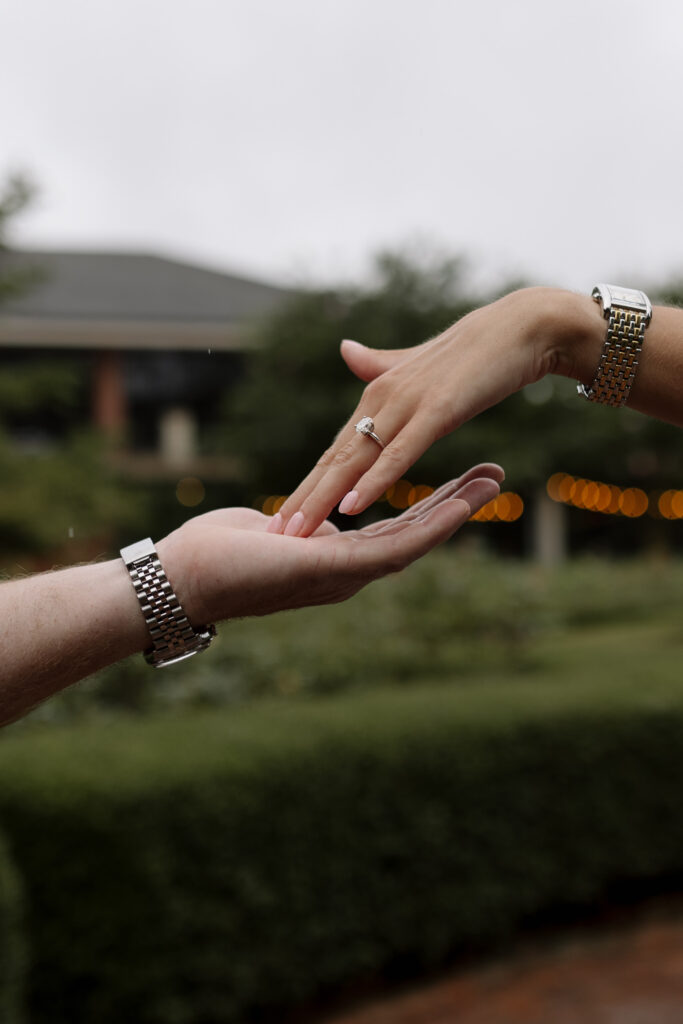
[(506, 508), (273, 504), (604, 498), (677, 504), (590, 494), (565, 487), (509, 506), (398, 494), (633, 502), (418, 493), (553, 486)]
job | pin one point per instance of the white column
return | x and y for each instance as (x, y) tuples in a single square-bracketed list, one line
[(549, 538), (178, 436)]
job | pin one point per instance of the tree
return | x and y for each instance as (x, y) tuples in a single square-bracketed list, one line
[(296, 392), (16, 195), (59, 496)]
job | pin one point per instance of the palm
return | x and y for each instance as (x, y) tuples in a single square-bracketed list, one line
[(238, 568)]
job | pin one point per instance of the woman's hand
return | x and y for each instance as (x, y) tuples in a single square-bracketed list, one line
[(226, 564), (417, 395)]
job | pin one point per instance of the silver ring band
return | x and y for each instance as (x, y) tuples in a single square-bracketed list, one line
[(367, 427)]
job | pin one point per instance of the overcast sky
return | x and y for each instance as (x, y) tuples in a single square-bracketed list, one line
[(292, 138)]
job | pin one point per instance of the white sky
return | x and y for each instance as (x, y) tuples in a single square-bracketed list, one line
[(292, 138)]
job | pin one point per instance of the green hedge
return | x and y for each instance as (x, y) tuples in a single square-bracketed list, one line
[(220, 867), (12, 958)]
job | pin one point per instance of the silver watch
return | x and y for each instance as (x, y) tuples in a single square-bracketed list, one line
[(627, 312), (173, 637)]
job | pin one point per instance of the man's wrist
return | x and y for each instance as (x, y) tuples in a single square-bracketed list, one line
[(173, 636), (182, 563)]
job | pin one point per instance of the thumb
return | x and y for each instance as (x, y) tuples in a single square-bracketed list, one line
[(368, 363)]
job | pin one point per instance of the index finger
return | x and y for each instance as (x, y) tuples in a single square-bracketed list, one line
[(345, 458), (386, 449)]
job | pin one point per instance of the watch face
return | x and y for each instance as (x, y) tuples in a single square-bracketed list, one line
[(626, 298)]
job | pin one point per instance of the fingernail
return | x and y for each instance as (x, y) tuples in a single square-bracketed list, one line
[(294, 524), (348, 502), (350, 341), (275, 524)]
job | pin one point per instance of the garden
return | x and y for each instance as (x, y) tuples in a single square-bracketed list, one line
[(341, 798)]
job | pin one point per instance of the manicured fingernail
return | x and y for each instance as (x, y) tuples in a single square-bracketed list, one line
[(348, 503), (275, 524), (294, 524)]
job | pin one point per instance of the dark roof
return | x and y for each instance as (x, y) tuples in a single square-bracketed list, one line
[(129, 296)]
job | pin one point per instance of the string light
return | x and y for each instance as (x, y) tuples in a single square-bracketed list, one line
[(506, 508), (272, 504), (609, 499), (670, 504)]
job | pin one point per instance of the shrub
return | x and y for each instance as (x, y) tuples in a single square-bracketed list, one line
[(221, 867)]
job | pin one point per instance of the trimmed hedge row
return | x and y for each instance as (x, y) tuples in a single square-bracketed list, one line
[(227, 866), (12, 960)]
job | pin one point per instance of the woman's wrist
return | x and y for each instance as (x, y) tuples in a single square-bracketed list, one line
[(566, 331)]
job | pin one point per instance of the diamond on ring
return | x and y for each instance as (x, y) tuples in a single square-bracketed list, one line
[(366, 426)]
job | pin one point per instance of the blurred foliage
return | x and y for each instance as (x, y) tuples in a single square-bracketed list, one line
[(296, 393), (16, 194), (455, 617), (41, 388), (60, 497), (62, 504)]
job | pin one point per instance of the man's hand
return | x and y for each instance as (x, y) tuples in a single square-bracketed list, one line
[(226, 564), (62, 626)]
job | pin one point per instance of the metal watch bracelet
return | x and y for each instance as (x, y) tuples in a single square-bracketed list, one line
[(173, 636), (628, 312)]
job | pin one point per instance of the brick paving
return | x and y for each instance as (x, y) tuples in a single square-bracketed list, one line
[(633, 975)]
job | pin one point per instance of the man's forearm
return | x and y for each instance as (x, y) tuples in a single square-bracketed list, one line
[(59, 627)]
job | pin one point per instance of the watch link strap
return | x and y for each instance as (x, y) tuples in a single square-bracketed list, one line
[(173, 637), (628, 312)]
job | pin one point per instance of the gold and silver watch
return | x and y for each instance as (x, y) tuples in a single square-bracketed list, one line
[(627, 312), (173, 637)]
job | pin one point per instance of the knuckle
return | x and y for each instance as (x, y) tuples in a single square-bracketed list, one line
[(374, 390), (343, 454), (377, 394), (338, 457), (394, 452), (325, 459)]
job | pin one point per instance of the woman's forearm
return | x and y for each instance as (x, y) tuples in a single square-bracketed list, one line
[(575, 334), (416, 396)]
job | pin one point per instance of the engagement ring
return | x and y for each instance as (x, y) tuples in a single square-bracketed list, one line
[(366, 426)]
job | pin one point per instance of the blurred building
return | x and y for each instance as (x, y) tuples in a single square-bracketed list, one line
[(159, 343)]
